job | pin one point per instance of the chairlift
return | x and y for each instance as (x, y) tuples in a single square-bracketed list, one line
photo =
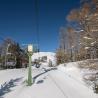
[(36, 63)]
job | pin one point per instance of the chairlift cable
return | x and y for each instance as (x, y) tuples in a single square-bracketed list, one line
[(37, 24), (37, 21)]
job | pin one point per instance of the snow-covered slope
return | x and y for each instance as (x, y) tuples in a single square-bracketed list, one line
[(50, 56), (72, 70), (84, 76), (65, 82)]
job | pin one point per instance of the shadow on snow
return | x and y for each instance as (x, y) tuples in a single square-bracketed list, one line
[(45, 71), (6, 87)]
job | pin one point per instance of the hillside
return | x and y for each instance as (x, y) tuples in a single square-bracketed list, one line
[(48, 56), (65, 81)]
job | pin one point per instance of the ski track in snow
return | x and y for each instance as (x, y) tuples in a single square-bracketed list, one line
[(65, 82)]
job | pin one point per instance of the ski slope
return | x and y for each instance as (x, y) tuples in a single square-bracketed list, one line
[(64, 81), (58, 83)]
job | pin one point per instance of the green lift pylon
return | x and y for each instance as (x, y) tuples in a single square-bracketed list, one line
[(30, 52)]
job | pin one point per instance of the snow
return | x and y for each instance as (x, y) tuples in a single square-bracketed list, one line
[(65, 81), (6, 75), (72, 88), (50, 56), (72, 70)]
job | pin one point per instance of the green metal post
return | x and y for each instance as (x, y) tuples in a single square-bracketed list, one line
[(29, 71)]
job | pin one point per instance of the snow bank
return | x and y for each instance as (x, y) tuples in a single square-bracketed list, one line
[(84, 76), (72, 70), (8, 74)]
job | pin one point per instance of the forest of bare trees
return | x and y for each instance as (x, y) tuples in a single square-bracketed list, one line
[(11, 54), (79, 38)]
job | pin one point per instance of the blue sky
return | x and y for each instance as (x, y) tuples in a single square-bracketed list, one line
[(18, 21)]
